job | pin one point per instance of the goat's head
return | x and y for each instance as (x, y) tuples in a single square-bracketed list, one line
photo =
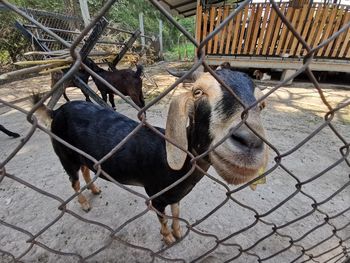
[(258, 74), (214, 113)]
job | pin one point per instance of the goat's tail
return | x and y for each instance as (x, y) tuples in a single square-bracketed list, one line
[(43, 113), (139, 70)]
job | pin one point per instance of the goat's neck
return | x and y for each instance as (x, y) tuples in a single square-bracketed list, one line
[(197, 149)]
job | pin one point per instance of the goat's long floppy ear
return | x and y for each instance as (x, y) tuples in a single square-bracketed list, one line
[(176, 129)]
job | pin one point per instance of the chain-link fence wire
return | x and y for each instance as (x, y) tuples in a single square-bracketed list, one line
[(337, 252)]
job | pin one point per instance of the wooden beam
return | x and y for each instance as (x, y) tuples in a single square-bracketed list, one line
[(238, 27), (216, 37), (277, 32), (262, 33)]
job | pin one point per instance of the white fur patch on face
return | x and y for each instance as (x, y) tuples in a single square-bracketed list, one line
[(234, 162), (211, 88), (220, 125)]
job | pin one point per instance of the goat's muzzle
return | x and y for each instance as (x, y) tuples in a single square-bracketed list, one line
[(240, 157)]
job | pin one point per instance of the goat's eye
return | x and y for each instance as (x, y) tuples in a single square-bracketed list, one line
[(197, 93)]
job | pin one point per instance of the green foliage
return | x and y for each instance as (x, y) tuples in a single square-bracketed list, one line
[(12, 43), (40, 4), (182, 52), (124, 13)]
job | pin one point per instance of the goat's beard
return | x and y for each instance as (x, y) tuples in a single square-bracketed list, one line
[(235, 171)]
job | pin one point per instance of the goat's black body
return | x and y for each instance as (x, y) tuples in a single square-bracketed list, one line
[(96, 130), (8, 132)]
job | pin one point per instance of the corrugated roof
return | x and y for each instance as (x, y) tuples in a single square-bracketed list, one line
[(183, 7)]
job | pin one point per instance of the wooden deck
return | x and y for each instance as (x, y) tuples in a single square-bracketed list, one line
[(258, 32)]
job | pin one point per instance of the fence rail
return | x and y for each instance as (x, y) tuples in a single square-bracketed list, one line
[(291, 248), (257, 30)]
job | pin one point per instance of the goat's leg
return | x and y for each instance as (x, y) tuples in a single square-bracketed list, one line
[(164, 230), (70, 161), (104, 95), (65, 95), (175, 211), (87, 98), (86, 174), (111, 100), (81, 198)]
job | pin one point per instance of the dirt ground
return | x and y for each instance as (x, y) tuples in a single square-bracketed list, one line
[(292, 114)]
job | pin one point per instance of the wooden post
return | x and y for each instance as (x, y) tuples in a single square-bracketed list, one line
[(85, 11), (198, 25), (126, 47), (142, 29), (160, 38)]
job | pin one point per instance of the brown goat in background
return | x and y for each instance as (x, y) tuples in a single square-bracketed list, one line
[(127, 81)]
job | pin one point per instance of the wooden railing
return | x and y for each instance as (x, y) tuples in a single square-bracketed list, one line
[(258, 31)]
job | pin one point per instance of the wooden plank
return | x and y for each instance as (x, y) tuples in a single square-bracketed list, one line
[(229, 36), (340, 17), (263, 29), (342, 37), (348, 53), (205, 28), (284, 30), (236, 32), (249, 30), (310, 16), (198, 23), (211, 27), (243, 29), (112, 65), (290, 34), (301, 23), (271, 25), (223, 31), (345, 43), (315, 25), (321, 27), (328, 28), (277, 32), (257, 23), (216, 38)]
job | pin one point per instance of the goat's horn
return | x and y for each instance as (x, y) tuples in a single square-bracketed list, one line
[(178, 74), (194, 76)]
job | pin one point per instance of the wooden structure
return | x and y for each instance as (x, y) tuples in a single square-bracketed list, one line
[(256, 37)]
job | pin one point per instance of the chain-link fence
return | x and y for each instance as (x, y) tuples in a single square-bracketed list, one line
[(237, 228)]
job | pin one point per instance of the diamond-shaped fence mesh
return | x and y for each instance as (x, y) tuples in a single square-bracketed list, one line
[(301, 215)]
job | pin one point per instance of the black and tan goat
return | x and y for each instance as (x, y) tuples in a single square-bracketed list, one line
[(148, 160), (127, 81)]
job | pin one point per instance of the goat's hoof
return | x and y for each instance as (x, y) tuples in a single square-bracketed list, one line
[(169, 239), (177, 233), (86, 206), (95, 190)]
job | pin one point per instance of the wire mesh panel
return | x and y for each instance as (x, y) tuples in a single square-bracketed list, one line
[(301, 215)]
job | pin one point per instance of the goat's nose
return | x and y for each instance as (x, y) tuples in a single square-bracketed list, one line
[(247, 139)]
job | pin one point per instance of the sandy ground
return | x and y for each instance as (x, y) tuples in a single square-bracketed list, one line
[(292, 114)]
